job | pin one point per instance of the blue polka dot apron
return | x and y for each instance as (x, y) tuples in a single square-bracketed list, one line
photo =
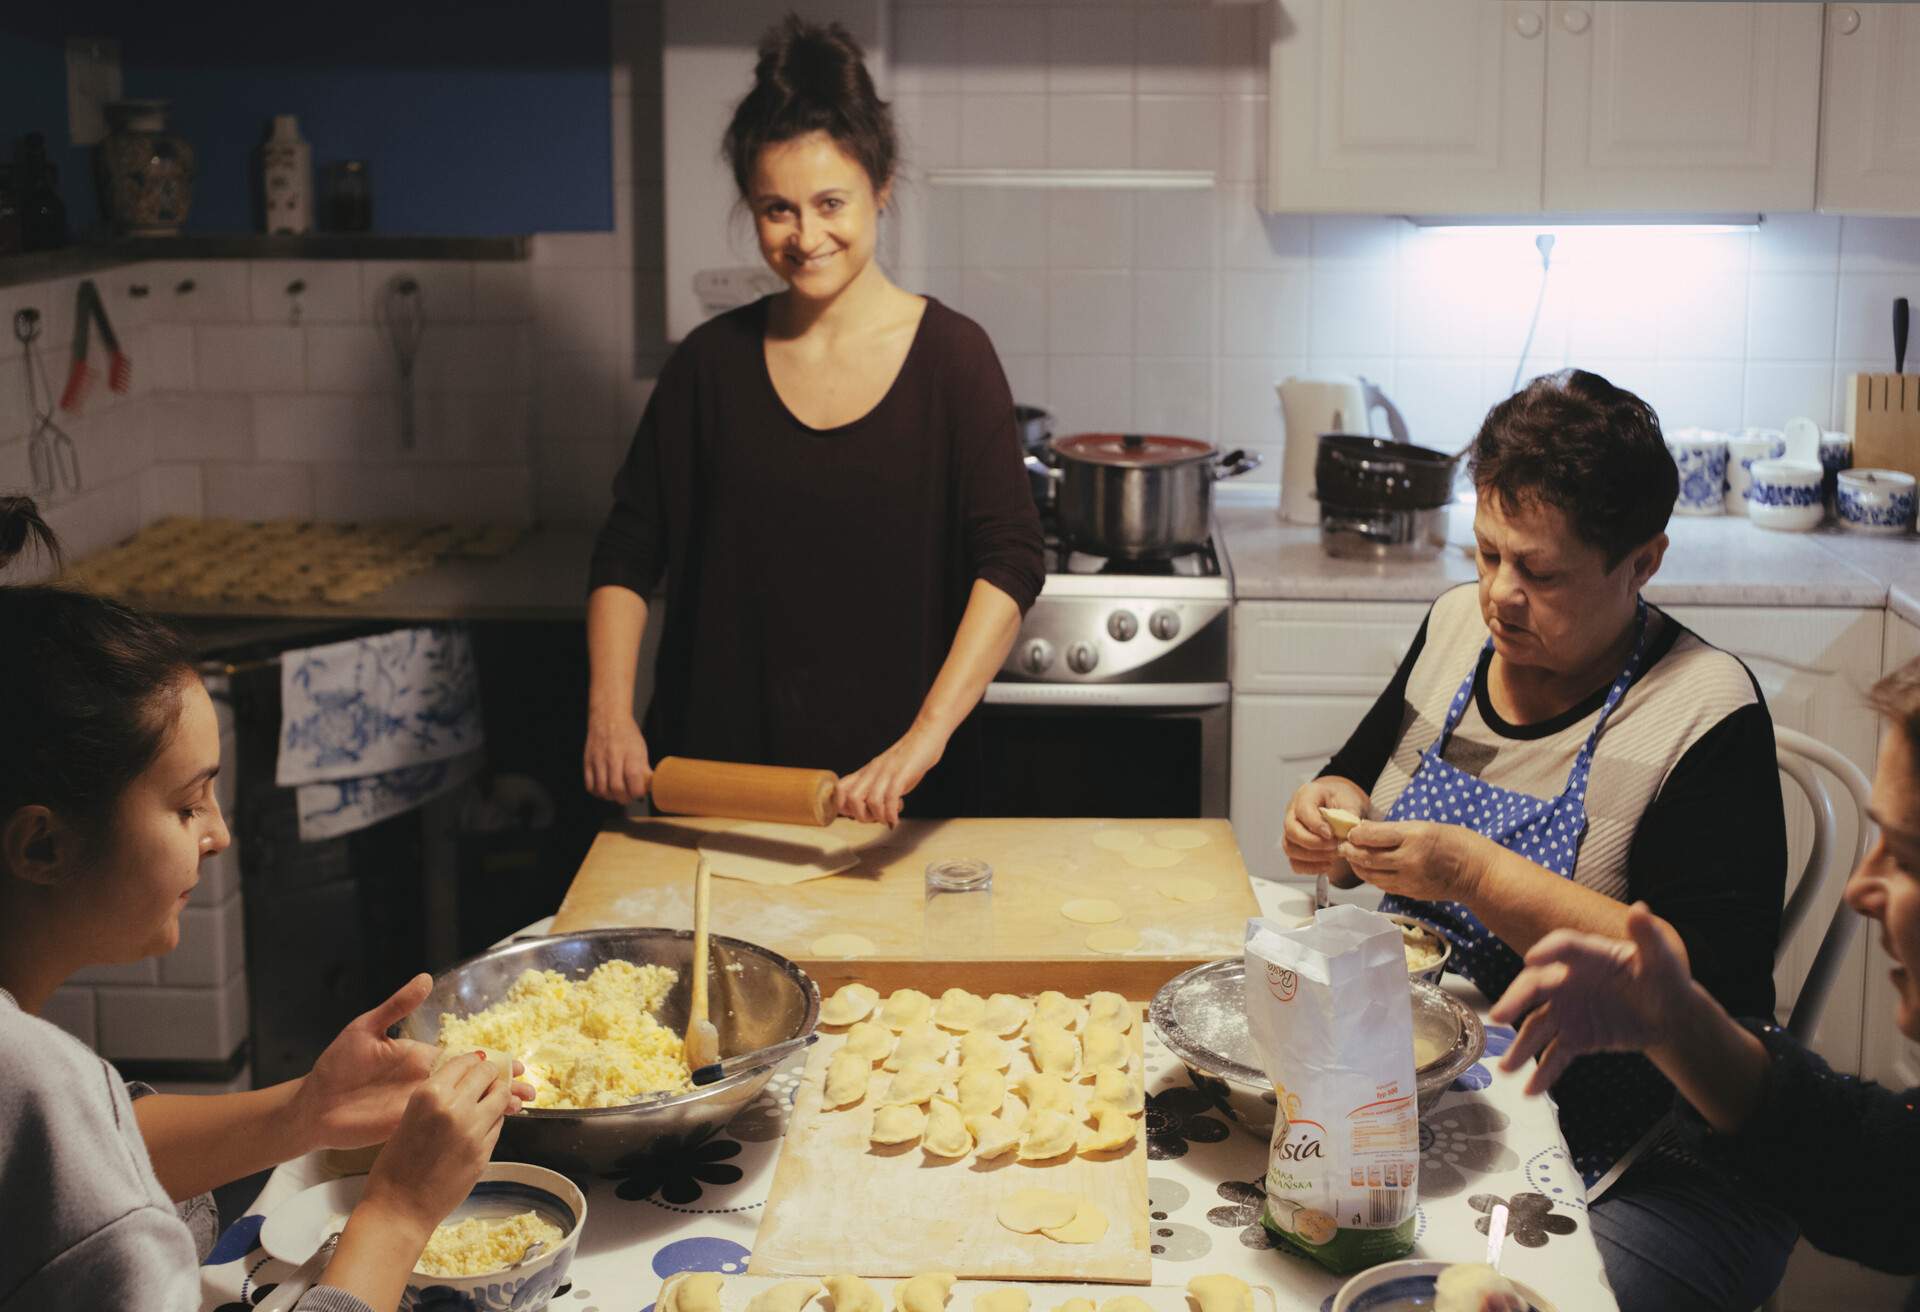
[(1608, 1102)]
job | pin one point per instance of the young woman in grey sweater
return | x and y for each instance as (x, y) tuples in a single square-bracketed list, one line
[(107, 810)]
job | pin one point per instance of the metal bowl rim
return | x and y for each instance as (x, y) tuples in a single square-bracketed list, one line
[(808, 989)]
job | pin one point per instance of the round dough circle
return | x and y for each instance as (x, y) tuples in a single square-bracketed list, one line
[(1181, 839), (1091, 910), (1188, 889), (1118, 840), (1114, 938), (844, 945), (1152, 858)]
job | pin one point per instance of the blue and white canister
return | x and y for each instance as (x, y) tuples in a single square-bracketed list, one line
[(1753, 444), (1836, 454), (1786, 495), (1876, 501), (1701, 457)]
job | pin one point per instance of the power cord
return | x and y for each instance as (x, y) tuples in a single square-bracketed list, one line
[(1544, 244)]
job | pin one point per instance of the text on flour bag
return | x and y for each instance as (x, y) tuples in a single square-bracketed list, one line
[(1329, 1008)]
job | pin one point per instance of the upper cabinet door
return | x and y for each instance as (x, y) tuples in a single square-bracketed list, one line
[(1406, 105), (1681, 106), (1870, 115)]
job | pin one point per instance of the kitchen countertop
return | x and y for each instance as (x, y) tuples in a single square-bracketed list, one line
[(1714, 560), (544, 577)]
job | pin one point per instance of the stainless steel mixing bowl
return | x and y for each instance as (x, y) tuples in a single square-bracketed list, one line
[(755, 998), (1201, 1017)]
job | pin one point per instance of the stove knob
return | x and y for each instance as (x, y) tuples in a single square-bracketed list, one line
[(1164, 625), (1038, 657), (1082, 657), (1122, 625)]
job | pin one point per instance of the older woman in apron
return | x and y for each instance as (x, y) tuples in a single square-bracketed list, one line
[(1546, 754)]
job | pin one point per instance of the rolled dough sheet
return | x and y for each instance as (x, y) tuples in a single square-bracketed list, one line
[(843, 945), (1181, 839), (1118, 840), (1090, 910), (1152, 858), (761, 853), (1114, 938)]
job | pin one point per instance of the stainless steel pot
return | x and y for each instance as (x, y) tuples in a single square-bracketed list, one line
[(1138, 496)]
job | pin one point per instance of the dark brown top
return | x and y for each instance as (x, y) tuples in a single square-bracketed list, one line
[(815, 577)]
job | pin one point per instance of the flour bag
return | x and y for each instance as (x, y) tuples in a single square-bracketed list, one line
[(1329, 1009)]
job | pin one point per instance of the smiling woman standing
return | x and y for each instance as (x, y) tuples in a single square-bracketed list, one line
[(830, 483)]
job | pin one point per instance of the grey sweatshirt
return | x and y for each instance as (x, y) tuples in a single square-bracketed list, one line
[(88, 1225)]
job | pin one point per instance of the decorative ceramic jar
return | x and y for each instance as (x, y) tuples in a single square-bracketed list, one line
[(1742, 451), (1879, 501), (286, 179), (1701, 457), (1836, 454), (1785, 494), (148, 170)]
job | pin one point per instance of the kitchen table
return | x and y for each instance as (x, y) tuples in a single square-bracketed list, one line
[(1485, 1143)]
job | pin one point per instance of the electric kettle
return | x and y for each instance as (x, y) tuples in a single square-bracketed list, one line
[(1311, 407)]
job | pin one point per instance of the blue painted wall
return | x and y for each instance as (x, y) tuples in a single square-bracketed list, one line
[(475, 117)]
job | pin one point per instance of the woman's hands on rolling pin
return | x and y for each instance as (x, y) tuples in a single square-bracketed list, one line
[(617, 766), (874, 791)]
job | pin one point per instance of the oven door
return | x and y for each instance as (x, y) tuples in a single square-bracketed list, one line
[(1135, 751)]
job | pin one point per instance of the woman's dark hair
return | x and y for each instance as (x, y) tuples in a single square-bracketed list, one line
[(811, 78), (89, 688), (1593, 451)]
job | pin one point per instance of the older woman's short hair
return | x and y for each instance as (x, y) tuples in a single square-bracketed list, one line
[(1897, 697), (1593, 451)]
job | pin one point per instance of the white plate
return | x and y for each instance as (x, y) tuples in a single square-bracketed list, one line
[(293, 1230)]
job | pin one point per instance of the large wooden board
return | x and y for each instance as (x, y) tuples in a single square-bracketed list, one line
[(840, 1204), (738, 1291), (640, 872)]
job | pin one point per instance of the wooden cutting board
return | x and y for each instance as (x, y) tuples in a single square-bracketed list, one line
[(738, 1291), (839, 1204), (640, 872)]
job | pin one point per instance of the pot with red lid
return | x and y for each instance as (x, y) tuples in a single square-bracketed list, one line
[(1138, 496)]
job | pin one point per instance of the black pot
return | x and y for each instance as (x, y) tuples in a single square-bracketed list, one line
[(1373, 473)]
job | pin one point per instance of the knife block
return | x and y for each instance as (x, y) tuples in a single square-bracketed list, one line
[(1883, 415)]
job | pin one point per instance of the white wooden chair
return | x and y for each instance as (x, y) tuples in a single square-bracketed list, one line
[(1803, 759)]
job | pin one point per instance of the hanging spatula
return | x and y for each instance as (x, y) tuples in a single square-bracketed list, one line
[(703, 1040)]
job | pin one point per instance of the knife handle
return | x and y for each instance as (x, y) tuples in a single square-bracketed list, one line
[(1899, 334), (289, 1291)]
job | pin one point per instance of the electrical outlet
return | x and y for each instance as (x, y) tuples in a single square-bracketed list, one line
[(93, 82)]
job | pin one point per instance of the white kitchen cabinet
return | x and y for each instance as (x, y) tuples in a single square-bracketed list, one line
[(1406, 105), (1519, 106), (1886, 1054), (1305, 672), (1681, 106), (1870, 110)]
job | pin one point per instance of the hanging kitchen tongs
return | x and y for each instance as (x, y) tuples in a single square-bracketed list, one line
[(89, 309)]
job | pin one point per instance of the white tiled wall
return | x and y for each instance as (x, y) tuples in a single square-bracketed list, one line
[(1180, 310)]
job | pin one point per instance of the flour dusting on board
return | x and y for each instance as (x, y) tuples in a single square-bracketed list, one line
[(772, 923)]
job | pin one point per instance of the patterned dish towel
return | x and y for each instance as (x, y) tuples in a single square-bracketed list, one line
[(373, 727)]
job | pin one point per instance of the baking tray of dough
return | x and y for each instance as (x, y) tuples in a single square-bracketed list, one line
[(737, 1291)]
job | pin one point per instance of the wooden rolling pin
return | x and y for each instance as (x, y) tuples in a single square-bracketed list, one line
[(780, 793)]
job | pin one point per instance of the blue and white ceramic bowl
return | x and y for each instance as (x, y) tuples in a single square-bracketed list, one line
[(1407, 1287), (1786, 495), (1701, 457), (1877, 501), (1836, 454), (1754, 444)]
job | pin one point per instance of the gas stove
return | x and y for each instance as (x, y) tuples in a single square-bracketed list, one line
[(1107, 631)]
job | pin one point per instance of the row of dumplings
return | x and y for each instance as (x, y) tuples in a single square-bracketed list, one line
[(699, 1291), (953, 1111)]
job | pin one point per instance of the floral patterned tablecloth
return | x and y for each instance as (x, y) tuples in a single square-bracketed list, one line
[(1484, 1144)]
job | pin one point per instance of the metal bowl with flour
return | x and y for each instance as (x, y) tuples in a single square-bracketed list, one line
[(756, 998), (1201, 1017)]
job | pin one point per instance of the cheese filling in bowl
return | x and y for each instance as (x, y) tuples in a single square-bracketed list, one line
[(480, 1244)]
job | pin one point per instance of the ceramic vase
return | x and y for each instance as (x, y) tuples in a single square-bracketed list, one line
[(286, 179), (148, 171)]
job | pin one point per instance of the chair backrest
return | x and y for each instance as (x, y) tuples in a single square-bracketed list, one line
[(1802, 759)]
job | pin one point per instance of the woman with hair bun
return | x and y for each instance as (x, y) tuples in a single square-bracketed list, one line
[(107, 809), (830, 483)]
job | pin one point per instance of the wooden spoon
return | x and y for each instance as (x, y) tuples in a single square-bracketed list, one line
[(703, 1040)]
